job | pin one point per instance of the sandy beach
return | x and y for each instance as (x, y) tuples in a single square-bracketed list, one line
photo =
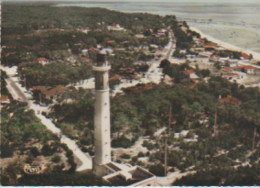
[(226, 45)]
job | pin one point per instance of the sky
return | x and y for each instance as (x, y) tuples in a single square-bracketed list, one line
[(204, 1)]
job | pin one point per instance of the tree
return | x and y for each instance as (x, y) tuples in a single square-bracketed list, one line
[(157, 169)]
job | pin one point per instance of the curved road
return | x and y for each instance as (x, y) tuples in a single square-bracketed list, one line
[(18, 93)]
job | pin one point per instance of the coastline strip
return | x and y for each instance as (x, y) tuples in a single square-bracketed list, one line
[(226, 45)]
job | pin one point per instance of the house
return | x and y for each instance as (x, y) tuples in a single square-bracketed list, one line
[(108, 50), (115, 77), (110, 41), (219, 48), (235, 76), (197, 49), (192, 75), (205, 54), (154, 46), (10, 53), (226, 69), (190, 56), (85, 60), (214, 58), (248, 69), (162, 30), (49, 93), (84, 52), (116, 27), (71, 59), (43, 61), (229, 99), (211, 46), (127, 70), (232, 62), (4, 100), (92, 49), (223, 59), (184, 29), (140, 36), (244, 56), (85, 30), (127, 175)]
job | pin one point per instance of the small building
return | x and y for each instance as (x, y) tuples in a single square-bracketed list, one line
[(205, 54), (115, 77), (108, 50), (214, 58), (4, 100), (154, 46), (192, 75), (116, 27), (140, 36), (43, 61), (197, 49), (232, 62), (226, 70), (53, 93), (84, 52), (229, 99), (85, 30), (210, 47), (110, 42), (245, 56), (235, 76), (248, 69), (124, 175)]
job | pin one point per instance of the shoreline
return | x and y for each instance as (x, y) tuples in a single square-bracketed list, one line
[(230, 46), (256, 55)]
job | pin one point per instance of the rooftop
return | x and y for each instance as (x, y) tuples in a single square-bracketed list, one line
[(128, 177)]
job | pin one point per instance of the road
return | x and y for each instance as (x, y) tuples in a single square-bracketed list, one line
[(18, 92), (154, 73)]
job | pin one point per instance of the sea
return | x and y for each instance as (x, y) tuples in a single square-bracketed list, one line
[(234, 21)]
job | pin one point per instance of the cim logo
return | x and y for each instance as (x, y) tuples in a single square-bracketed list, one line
[(28, 169)]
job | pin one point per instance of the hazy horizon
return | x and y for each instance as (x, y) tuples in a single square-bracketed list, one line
[(195, 1)]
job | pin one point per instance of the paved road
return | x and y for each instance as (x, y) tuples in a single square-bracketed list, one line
[(17, 94), (154, 74), (17, 91)]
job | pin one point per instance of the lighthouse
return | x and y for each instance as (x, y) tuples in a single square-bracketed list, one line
[(102, 114)]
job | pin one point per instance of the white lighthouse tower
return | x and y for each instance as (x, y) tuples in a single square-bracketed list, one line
[(102, 114)]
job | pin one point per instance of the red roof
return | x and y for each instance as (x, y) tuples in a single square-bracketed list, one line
[(115, 77), (215, 56), (230, 100), (245, 56), (190, 72), (210, 45), (42, 59), (227, 69), (85, 28), (56, 91), (4, 99), (232, 74), (148, 86), (10, 53), (42, 89), (92, 49), (52, 92), (246, 67), (110, 42), (85, 60)]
